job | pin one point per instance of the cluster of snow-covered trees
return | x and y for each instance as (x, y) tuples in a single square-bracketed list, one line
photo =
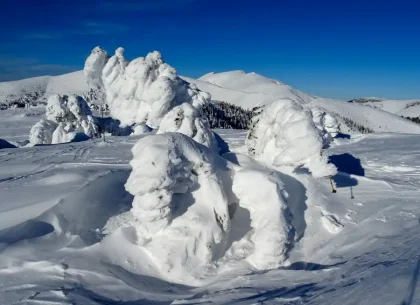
[(413, 119), (66, 118), (147, 93), (189, 198), (227, 116), (353, 126), (25, 100)]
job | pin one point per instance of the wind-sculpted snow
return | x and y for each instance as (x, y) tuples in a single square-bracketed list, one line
[(145, 90), (185, 196), (285, 134), (66, 116)]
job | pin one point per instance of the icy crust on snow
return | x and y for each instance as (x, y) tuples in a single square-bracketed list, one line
[(185, 196), (66, 117), (285, 134), (148, 91)]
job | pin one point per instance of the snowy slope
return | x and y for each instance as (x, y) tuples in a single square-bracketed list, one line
[(254, 83), (20, 87), (392, 106), (243, 99), (247, 90), (71, 83), (376, 119)]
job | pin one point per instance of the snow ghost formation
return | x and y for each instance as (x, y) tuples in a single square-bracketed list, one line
[(148, 91), (185, 198), (180, 228), (66, 117), (325, 122), (285, 134)]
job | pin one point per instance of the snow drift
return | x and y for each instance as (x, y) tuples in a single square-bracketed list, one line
[(148, 91), (285, 134), (66, 117), (184, 199)]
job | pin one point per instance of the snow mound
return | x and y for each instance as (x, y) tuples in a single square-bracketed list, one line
[(285, 134), (185, 196), (66, 117), (145, 90)]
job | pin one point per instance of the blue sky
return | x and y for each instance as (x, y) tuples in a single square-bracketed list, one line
[(340, 49)]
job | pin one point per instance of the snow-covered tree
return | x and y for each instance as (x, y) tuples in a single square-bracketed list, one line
[(145, 90), (93, 67), (66, 116), (325, 122), (181, 228), (185, 201), (285, 134)]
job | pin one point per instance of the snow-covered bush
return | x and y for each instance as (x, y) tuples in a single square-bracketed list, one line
[(285, 134), (42, 132), (66, 116), (325, 122), (185, 196), (145, 90)]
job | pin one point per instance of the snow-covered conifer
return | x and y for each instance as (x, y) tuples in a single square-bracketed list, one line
[(145, 90), (66, 116), (285, 134)]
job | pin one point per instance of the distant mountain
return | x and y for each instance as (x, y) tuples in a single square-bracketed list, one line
[(37, 87), (247, 90), (409, 108)]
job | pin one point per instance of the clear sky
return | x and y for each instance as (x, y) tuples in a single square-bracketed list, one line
[(340, 49)]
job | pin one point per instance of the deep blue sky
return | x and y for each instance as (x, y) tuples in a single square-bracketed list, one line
[(340, 49)]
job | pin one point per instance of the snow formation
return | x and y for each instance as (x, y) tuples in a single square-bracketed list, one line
[(325, 122), (285, 134), (184, 194), (148, 91), (66, 117)]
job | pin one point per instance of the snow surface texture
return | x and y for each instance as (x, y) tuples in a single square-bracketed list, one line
[(66, 117), (148, 91), (55, 199), (184, 199), (285, 134)]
